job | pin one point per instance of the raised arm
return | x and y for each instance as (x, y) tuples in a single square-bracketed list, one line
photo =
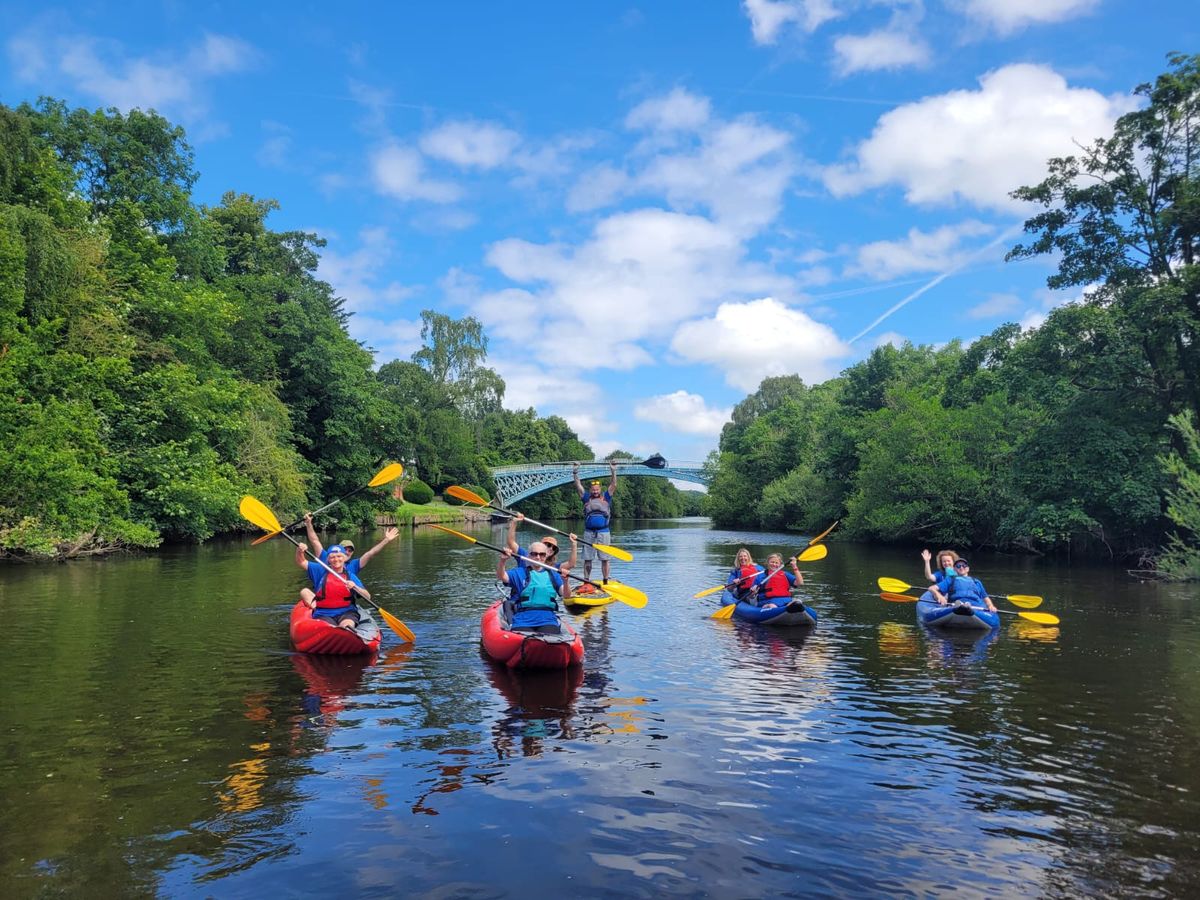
[(796, 571), (570, 563), (501, 571), (564, 588), (927, 556), (301, 561), (313, 540), (612, 484), (389, 535), (578, 483), (512, 544)]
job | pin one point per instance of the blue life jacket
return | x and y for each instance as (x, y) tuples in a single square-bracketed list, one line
[(538, 589), (597, 511), (966, 589)]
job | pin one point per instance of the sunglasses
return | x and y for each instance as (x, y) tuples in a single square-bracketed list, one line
[(961, 566), (537, 555)]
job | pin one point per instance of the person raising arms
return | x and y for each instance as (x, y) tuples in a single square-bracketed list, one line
[(597, 514)]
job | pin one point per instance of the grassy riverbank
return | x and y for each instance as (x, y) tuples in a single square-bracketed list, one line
[(411, 514)]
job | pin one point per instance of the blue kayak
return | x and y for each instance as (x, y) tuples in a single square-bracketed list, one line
[(794, 613), (955, 615)]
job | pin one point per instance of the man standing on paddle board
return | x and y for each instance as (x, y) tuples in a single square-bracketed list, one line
[(597, 514)]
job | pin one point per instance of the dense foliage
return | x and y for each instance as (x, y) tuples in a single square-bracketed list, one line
[(1048, 439), (158, 358)]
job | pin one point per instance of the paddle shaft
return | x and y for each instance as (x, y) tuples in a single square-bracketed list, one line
[(511, 514), (346, 581), (532, 561)]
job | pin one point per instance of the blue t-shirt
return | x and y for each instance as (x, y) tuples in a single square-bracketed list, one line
[(597, 521), (518, 578), (965, 588)]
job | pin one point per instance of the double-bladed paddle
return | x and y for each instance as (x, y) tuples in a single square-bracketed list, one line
[(388, 473), (257, 513), (1040, 618), (1025, 601), (461, 493), (623, 592)]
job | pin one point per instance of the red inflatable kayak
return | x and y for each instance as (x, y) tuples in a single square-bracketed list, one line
[(527, 649), (311, 635)]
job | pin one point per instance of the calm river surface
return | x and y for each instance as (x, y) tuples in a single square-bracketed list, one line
[(158, 737)]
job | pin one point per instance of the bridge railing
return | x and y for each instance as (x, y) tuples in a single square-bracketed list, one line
[(590, 466)]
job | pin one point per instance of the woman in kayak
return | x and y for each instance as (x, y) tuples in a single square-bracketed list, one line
[(741, 576), (332, 596), (550, 542), (945, 567), (962, 588), (773, 587), (534, 590), (352, 565)]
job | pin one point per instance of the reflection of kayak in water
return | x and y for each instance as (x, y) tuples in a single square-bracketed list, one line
[(793, 612), (537, 695), (961, 616), (528, 649), (317, 634), (329, 680), (586, 596)]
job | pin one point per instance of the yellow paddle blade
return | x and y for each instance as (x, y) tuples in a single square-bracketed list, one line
[(256, 513), (1040, 618), (630, 596), (402, 630), (386, 474), (1028, 601), (461, 493), (893, 585), (725, 612), (813, 553), (823, 533), (265, 537), (705, 593), (465, 537), (897, 598), (615, 552)]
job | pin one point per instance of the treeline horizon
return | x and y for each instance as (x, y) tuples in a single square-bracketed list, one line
[(1075, 436), (161, 358)]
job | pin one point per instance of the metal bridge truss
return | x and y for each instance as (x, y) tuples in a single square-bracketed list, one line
[(515, 483)]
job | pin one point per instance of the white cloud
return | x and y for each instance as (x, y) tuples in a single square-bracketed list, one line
[(894, 338), (882, 49), (1035, 316), (471, 144), (750, 341), (995, 305), (683, 412), (680, 110), (769, 17), (399, 171), (171, 83), (1007, 16), (355, 276), (979, 145), (391, 339), (637, 276), (559, 391), (597, 187), (920, 251)]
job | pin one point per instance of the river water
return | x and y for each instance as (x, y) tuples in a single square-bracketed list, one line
[(158, 737)]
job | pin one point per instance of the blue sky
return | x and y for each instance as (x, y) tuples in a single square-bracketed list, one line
[(650, 206)]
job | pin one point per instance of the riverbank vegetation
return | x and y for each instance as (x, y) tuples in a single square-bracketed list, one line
[(1078, 434), (160, 358)]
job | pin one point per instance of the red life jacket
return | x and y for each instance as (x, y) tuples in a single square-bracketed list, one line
[(334, 593), (775, 586)]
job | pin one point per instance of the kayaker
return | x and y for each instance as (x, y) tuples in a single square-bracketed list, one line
[(741, 576), (331, 597), (945, 567), (353, 566), (550, 542), (773, 587), (534, 590), (597, 515), (962, 588)]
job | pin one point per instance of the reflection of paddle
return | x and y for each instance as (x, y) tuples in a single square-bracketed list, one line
[(812, 554), (1027, 601), (461, 493), (383, 476), (1040, 618), (623, 592), (257, 513)]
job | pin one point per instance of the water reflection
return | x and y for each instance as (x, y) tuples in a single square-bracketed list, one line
[(328, 682)]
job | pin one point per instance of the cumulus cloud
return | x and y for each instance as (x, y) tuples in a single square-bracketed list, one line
[(172, 82), (355, 276), (995, 305), (637, 276), (1008, 16), (769, 17), (559, 391), (750, 341), (399, 171), (679, 110), (391, 339), (471, 144), (978, 145), (882, 49), (919, 251), (683, 412)]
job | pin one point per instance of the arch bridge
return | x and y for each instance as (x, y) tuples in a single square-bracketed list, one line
[(515, 483)]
